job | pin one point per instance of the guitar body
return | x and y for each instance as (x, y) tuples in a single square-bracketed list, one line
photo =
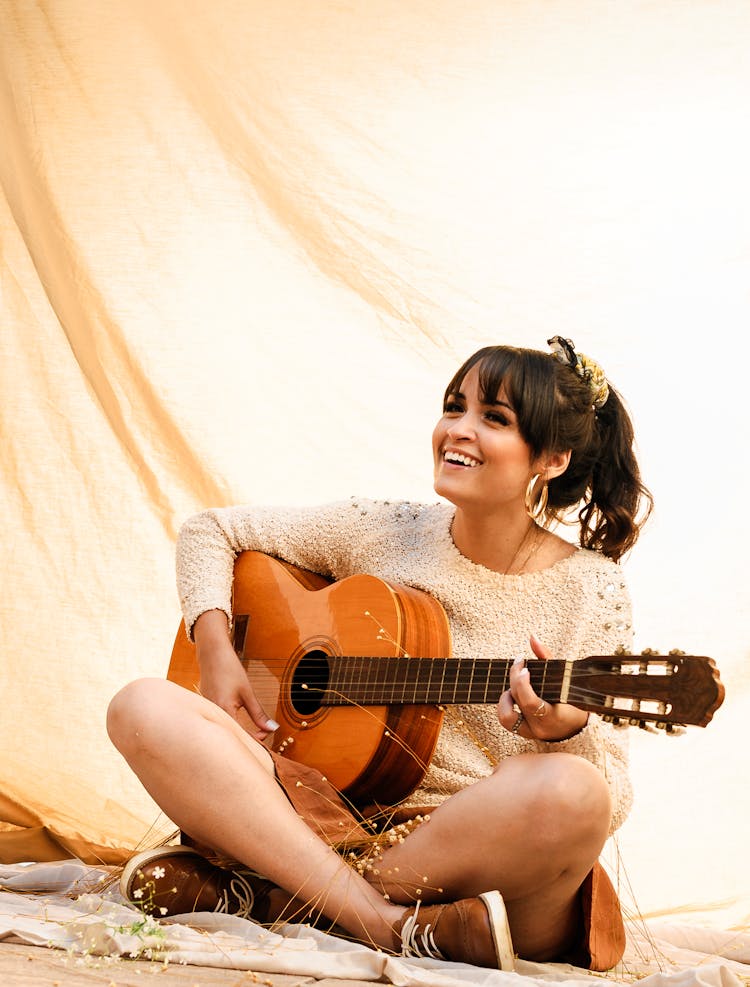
[(287, 624)]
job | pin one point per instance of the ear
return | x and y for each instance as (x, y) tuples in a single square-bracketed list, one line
[(553, 464)]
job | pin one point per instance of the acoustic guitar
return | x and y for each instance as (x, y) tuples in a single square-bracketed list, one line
[(350, 672)]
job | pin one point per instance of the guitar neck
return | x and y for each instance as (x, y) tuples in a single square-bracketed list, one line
[(398, 681), (672, 689)]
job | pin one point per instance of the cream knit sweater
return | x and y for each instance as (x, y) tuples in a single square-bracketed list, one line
[(577, 607)]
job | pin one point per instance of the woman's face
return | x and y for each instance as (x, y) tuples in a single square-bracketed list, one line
[(481, 460)]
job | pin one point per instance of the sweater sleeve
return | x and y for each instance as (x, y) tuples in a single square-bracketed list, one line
[(208, 543), (606, 746)]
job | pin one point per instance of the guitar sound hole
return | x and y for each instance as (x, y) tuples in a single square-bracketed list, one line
[(309, 682)]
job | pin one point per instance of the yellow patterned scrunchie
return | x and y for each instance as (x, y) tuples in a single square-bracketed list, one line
[(587, 369)]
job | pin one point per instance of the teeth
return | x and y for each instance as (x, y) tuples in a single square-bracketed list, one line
[(455, 457)]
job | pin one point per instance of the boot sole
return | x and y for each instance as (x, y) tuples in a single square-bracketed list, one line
[(493, 902)]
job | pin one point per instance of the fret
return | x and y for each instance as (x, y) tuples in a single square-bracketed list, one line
[(411, 679), (439, 693), (495, 682), (370, 686), (453, 699), (429, 678), (347, 687)]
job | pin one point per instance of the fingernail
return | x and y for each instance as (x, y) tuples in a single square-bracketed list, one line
[(519, 660), (272, 725)]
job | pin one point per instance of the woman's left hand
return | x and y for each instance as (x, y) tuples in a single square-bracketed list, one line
[(522, 712)]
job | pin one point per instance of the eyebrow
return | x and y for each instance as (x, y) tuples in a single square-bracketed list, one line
[(489, 404)]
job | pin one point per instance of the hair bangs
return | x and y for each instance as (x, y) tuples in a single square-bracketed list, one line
[(527, 377)]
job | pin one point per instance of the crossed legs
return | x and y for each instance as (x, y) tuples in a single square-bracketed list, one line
[(532, 830)]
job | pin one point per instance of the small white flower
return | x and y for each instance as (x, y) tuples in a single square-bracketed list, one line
[(159, 872), (138, 893), (163, 911)]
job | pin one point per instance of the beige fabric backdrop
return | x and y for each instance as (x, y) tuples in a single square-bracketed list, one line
[(243, 245)]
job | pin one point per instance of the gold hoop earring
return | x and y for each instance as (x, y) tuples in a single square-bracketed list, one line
[(536, 500)]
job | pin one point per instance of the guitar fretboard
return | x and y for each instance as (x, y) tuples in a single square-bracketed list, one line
[(432, 681)]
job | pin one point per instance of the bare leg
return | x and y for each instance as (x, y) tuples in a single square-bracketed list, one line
[(217, 783), (532, 830)]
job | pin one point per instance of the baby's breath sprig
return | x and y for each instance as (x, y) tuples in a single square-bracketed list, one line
[(146, 894), (383, 635)]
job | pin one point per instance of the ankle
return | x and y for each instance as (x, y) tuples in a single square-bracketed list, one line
[(380, 929)]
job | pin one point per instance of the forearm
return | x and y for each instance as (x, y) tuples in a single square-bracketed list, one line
[(210, 630)]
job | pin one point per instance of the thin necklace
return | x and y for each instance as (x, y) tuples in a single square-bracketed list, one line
[(533, 527)]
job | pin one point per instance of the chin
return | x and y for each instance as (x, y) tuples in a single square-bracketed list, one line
[(447, 491)]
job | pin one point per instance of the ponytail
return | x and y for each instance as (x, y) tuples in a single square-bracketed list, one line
[(618, 503)]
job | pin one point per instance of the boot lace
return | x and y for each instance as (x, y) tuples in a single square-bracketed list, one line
[(237, 898), (418, 941)]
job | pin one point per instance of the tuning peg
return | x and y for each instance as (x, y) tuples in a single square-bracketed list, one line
[(648, 727), (649, 651), (676, 652), (675, 729)]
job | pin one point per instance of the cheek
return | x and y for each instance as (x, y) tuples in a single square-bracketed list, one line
[(438, 435)]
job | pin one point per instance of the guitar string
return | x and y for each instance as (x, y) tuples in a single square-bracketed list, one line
[(376, 693), (548, 676)]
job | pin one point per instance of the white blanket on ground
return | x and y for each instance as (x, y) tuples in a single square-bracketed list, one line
[(59, 905)]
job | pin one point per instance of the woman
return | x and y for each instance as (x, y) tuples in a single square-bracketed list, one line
[(525, 793)]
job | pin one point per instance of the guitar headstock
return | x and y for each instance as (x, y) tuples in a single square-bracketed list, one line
[(648, 690)]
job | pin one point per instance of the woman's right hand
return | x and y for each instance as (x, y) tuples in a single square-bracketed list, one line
[(223, 679)]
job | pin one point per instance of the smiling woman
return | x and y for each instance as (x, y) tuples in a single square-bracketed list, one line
[(496, 850), (542, 437)]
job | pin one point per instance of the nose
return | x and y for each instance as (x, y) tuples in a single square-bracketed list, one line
[(462, 427)]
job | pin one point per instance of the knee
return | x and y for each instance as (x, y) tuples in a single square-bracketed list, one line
[(131, 709), (560, 800), (575, 797)]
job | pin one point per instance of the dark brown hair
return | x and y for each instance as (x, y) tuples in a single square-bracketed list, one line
[(554, 413)]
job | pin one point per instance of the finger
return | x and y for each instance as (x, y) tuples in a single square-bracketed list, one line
[(539, 649), (242, 716), (257, 714), (520, 686), (533, 707), (507, 711), (509, 714)]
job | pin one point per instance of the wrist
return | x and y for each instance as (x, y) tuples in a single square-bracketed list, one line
[(576, 730), (211, 634)]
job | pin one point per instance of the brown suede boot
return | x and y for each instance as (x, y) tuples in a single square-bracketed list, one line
[(173, 880), (474, 930)]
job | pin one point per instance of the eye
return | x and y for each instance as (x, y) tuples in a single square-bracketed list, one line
[(452, 407), (497, 417)]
